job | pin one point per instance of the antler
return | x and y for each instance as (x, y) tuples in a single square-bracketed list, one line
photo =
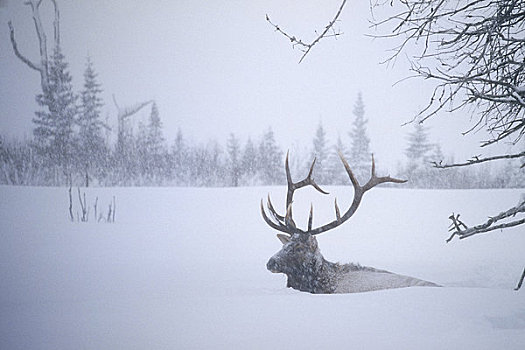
[(286, 223)]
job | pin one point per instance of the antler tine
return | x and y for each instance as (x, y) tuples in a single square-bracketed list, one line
[(337, 212), (349, 171), (288, 220), (309, 180), (278, 227), (312, 182), (311, 217), (272, 210), (373, 167), (374, 180), (311, 168), (287, 168)]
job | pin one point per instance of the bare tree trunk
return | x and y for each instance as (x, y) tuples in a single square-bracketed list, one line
[(123, 114), (70, 205), (43, 66)]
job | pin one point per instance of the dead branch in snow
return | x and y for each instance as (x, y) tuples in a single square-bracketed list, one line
[(83, 216), (460, 229)]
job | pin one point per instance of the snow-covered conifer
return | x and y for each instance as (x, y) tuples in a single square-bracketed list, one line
[(234, 161), (269, 159), (320, 152), (91, 144), (54, 124), (359, 154)]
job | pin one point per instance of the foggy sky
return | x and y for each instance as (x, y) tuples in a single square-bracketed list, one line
[(217, 67)]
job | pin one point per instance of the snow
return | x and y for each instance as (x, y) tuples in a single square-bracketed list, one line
[(185, 268)]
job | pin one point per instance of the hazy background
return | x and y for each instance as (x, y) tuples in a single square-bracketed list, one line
[(217, 67)]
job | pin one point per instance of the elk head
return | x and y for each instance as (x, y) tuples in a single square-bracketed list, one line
[(300, 258)]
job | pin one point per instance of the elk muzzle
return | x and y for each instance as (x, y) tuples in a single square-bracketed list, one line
[(273, 265)]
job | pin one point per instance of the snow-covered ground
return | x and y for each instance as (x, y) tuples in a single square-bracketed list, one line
[(184, 268)]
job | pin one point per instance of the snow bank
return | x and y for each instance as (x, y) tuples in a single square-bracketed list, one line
[(184, 268)]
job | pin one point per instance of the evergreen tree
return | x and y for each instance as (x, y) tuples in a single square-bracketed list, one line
[(155, 139), (54, 125), (142, 156), (359, 155), (249, 163), (336, 170), (151, 148), (214, 169), (419, 147), (320, 153), (418, 169), (156, 145), (180, 159), (92, 147), (234, 161), (270, 159)]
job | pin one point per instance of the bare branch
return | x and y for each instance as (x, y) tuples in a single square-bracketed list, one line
[(475, 52), (306, 47), (56, 23), (489, 224), (477, 160), (17, 52)]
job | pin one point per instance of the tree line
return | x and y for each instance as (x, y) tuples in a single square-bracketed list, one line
[(76, 149)]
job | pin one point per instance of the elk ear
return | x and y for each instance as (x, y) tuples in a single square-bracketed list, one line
[(283, 238)]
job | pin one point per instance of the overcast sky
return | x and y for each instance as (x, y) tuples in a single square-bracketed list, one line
[(216, 67)]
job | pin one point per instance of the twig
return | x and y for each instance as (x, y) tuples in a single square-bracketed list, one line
[(82, 205), (70, 205), (456, 225), (95, 206), (109, 214), (306, 47), (114, 208)]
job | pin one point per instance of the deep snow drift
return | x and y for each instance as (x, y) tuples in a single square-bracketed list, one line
[(185, 268)]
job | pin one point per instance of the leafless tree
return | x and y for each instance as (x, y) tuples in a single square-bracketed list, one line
[(41, 65), (123, 114), (475, 52)]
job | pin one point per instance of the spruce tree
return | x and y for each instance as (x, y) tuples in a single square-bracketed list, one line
[(150, 147), (336, 170), (155, 139), (180, 161), (142, 155), (270, 159), (54, 124), (233, 166), (249, 162), (419, 147), (418, 168), (92, 147), (320, 153), (359, 155)]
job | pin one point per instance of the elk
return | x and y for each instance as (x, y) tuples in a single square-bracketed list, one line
[(300, 258)]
